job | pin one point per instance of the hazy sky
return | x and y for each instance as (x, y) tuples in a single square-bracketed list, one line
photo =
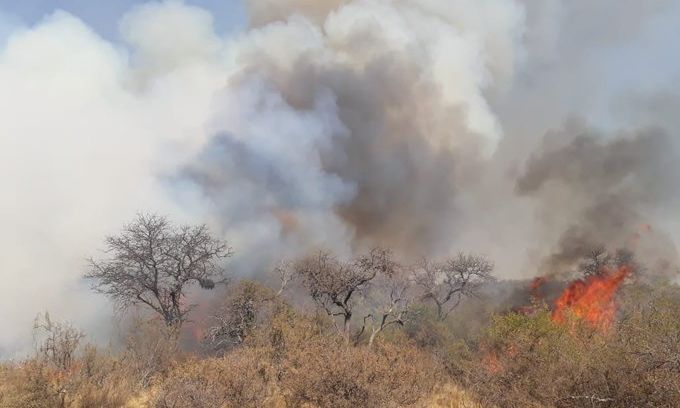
[(104, 15)]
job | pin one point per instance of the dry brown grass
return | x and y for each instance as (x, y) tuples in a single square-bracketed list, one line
[(296, 360), (89, 383), (451, 396), (293, 363)]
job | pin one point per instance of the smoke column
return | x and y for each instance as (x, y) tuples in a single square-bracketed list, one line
[(429, 126)]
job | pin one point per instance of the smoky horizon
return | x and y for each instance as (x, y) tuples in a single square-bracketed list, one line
[(538, 135)]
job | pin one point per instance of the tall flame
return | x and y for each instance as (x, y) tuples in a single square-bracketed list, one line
[(592, 299)]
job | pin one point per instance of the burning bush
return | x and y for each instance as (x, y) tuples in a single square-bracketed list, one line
[(592, 298), (537, 361)]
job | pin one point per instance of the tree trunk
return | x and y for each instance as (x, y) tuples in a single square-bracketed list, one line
[(346, 328), (372, 338)]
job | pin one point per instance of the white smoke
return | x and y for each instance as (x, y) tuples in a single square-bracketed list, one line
[(327, 123), (83, 142)]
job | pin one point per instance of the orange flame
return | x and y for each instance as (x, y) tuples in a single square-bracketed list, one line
[(592, 299)]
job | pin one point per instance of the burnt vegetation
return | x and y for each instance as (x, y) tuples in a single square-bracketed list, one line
[(368, 330)]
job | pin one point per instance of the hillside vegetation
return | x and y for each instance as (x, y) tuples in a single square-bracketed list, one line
[(289, 357)]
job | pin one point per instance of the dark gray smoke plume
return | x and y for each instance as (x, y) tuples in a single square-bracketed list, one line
[(376, 171), (600, 191), (356, 125)]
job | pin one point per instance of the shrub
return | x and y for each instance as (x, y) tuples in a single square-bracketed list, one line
[(242, 378), (296, 361), (531, 361)]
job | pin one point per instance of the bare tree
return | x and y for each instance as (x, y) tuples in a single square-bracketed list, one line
[(56, 342), (594, 262), (598, 261), (447, 283), (387, 304), (285, 274), (153, 263), (334, 285)]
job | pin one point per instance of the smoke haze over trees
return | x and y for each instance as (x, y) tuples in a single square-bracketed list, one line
[(530, 132)]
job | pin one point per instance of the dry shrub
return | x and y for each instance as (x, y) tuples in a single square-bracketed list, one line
[(531, 361), (239, 379), (525, 361), (93, 380), (647, 350), (442, 340), (315, 367), (56, 342), (30, 384), (64, 374), (295, 362), (248, 306), (450, 396), (103, 381), (292, 360), (328, 374), (151, 350)]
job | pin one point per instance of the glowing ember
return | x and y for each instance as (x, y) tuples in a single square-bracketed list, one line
[(592, 299)]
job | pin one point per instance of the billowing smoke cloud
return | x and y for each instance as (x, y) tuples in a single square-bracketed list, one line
[(357, 121), (327, 123), (597, 192)]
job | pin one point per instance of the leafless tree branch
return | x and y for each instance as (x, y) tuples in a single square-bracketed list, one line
[(446, 283), (334, 284), (152, 263)]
